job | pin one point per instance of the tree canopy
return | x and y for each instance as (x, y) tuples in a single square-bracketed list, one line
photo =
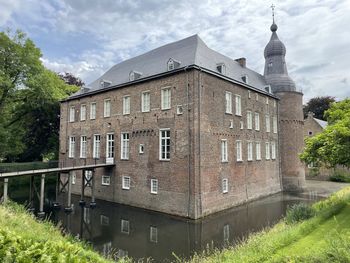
[(318, 106), (29, 100), (332, 146)]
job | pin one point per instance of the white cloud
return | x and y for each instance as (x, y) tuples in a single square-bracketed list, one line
[(102, 33)]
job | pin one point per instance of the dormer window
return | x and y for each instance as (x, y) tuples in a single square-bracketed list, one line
[(221, 68), (245, 79), (173, 64), (105, 83), (268, 88), (134, 75)]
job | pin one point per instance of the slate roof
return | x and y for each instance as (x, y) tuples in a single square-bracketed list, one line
[(189, 51), (322, 123)]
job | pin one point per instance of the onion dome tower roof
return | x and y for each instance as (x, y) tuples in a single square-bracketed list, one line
[(275, 73)]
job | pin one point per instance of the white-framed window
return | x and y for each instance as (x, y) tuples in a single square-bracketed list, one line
[(273, 150), (96, 146), (92, 110), (231, 124), (267, 100), (257, 121), (110, 148), (267, 150), (274, 124), (104, 220), (145, 101), (154, 186), (141, 148), (125, 226), (107, 108), (226, 231), (71, 150), (228, 102), (126, 182), (82, 112), (258, 150), (71, 114), (249, 120), (166, 98), (164, 144), (153, 234), (238, 105), (239, 151), (106, 180), (274, 103), (179, 110), (250, 150), (126, 105), (224, 157), (171, 65), (221, 68), (224, 186), (83, 146), (74, 177), (241, 125), (125, 146), (267, 122), (249, 94)]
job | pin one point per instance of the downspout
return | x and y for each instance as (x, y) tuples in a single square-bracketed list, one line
[(199, 139), (279, 145), (189, 143)]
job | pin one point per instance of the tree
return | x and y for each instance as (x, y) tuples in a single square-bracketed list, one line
[(318, 106), (29, 100), (332, 146), (70, 79)]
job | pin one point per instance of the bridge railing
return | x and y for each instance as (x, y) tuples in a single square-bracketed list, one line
[(71, 162)]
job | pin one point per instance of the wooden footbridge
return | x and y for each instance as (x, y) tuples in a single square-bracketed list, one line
[(64, 167)]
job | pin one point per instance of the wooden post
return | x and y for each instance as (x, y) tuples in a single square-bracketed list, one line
[(69, 198), (82, 201), (6, 183), (93, 203), (56, 204), (42, 195), (31, 194)]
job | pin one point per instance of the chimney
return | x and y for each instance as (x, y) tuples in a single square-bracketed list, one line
[(242, 62)]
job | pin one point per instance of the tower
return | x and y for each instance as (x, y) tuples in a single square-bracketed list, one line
[(291, 121)]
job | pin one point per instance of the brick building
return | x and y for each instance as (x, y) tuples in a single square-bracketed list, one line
[(191, 131)]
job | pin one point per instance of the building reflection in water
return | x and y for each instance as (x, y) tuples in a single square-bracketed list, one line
[(119, 230)]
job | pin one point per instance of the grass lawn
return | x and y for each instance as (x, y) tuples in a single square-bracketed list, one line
[(323, 238)]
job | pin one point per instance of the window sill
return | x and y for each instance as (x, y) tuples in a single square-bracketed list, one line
[(125, 188), (146, 111), (239, 115), (164, 160), (230, 113), (154, 193), (166, 109), (239, 161), (124, 159), (224, 161), (106, 184)]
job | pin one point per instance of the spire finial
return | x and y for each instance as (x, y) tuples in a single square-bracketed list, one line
[(273, 13), (273, 26)]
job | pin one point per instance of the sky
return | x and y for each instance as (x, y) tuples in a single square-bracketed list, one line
[(87, 37)]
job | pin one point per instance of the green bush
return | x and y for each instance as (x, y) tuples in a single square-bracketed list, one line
[(340, 176), (299, 212)]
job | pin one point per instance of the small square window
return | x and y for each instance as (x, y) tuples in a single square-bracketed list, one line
[(106, 180), (245, 79), (141, 148), (310, 132), (104, 220), (179, 110), (126, 182)]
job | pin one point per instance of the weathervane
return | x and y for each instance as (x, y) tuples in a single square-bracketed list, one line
[(273, 12)]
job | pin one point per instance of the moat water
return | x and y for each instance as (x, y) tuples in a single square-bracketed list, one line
[(120, 230)]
